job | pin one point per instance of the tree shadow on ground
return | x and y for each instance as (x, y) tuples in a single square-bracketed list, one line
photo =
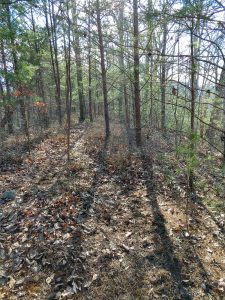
[(165, 254), (71, 269), (162, 258), (183, 263), (180, 259)]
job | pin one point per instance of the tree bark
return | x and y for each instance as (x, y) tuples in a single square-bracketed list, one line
[(67, 50), (54, 57), (137, 98), (163, 79), (39, 76), (103, 69), (192, 125), (79, 71), (123, 98), (8, 119), (89, 67)]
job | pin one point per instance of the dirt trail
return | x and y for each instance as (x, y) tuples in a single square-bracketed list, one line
[(106, 226)]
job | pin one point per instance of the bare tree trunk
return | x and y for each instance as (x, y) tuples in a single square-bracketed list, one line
[(25, 124), (121, 58), (123, 93), (67, 49), (193, 79), (103, 69), (163, 79), (79, 71), (54, 57), (137, 98), (89, 66), (39, 76), (55, 47), (8, 119)]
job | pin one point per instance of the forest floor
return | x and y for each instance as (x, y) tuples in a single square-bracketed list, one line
[(111, 224)]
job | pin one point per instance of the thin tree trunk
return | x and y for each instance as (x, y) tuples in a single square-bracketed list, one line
[(163, 80), (137, 98), (79, 71), (193, 75), (54, 61), (8, 109), (89, 67), (123, 94), (103, 69), (67, 50), (39, 76), (55, 47), (121, 58)]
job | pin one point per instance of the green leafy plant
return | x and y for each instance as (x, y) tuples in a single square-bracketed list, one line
[(189, 153)]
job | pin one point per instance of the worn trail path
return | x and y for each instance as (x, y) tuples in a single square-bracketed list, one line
[(105, 226)]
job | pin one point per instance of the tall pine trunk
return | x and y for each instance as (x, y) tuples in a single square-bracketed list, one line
[(79, 70), (137, 98), (54, 55), (103, 69), (89, 67)]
